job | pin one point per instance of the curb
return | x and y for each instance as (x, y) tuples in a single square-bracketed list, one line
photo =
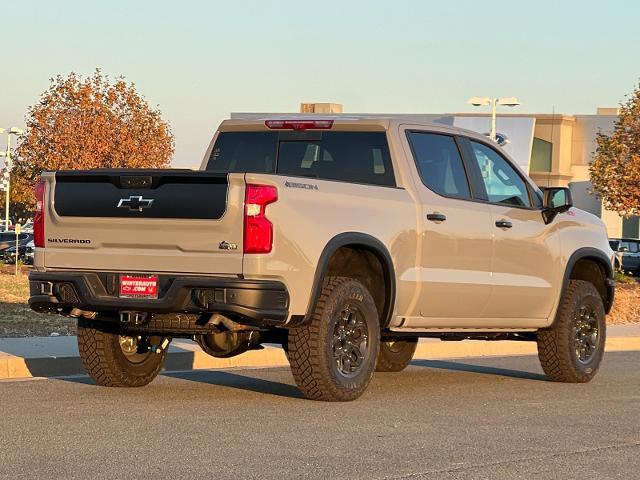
[(190, 357), (14, 367)]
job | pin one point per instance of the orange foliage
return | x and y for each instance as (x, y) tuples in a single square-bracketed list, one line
[(626, 308), (615, 171), (82, 123)]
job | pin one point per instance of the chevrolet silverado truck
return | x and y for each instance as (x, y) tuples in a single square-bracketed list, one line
[(343, 239)]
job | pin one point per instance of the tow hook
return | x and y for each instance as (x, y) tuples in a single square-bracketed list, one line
[(162, 347)]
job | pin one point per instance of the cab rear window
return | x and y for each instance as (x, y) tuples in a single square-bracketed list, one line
[(357, 157)]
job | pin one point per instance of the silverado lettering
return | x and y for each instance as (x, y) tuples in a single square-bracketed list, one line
[(67, 240), (304, 186)]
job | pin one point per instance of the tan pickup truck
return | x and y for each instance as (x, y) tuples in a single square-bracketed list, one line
[(344, 240)]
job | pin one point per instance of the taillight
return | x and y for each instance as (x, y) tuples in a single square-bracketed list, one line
[(38, 216), (258, 231), (302, 124)]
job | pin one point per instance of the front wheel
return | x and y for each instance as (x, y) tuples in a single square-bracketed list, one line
[(333, 357), (572, 349), (113, 360)]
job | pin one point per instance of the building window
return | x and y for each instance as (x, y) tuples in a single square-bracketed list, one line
[(540, 156), (631, 227)]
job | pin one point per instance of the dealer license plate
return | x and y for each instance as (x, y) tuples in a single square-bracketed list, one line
[(139, 286)]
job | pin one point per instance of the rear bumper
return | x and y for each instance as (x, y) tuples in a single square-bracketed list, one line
[(256, 302)]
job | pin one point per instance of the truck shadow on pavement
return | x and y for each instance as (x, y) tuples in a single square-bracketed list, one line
[(251, 383), (466, 367), (241, 382), (220, 378), (254, 384)]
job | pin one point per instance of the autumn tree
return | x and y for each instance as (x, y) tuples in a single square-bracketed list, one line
[(90, 122), (615, 170)]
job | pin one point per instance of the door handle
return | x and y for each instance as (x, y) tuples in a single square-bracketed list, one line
[(436, 217), (504, 224)]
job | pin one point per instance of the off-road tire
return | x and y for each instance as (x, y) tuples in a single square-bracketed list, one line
[(556, 345), (106, 363), (395, 356), (310, 347)]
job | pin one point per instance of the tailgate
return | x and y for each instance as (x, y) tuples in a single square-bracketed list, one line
[(144, 221)]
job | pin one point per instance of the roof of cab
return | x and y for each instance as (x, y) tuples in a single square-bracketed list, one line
[(339, 121), (346, 121)]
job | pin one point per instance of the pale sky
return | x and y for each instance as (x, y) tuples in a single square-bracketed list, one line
[(200, 60)]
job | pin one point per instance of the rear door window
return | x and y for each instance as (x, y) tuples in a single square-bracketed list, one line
[(439, 164)]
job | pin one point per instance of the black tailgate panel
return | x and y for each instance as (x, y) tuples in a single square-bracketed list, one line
[(132, 193)]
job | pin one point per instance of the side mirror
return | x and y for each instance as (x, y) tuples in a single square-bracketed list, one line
[(556, 200)]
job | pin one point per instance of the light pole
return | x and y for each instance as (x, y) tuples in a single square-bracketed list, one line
[(494, 102), (8, 164)]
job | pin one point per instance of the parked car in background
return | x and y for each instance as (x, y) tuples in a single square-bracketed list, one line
[(29, 253), (627, 254), (25, 254), (27, 227), (8, 239)]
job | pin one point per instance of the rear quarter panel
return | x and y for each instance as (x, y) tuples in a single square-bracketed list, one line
[(306, 219)]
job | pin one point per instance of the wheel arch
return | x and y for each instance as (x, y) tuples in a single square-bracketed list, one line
[(356, 240), (577, 268)]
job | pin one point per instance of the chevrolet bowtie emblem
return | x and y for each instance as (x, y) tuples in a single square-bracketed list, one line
[(135, 203)]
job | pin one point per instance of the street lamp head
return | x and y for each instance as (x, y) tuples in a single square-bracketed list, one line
[(16, 131), (509, 101), (479, 101)]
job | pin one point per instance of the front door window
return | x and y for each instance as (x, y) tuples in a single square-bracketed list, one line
[(501, 181)]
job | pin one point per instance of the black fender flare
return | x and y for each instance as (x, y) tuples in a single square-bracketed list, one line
[(590, 253), (360, 240)]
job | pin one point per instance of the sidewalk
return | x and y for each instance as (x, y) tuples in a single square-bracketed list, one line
[(58, 356)]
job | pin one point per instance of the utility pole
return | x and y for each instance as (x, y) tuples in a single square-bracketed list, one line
[(6, 173), (494, 102), (7, 192), (3, 183)]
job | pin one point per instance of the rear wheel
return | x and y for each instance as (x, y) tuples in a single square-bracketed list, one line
[(333, 357), (572, 349), (114, 360), (395, 355)]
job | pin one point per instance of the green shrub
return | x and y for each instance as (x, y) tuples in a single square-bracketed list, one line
[(621, 277)]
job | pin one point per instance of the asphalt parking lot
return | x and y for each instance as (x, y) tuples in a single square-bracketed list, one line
[(455, 419)]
